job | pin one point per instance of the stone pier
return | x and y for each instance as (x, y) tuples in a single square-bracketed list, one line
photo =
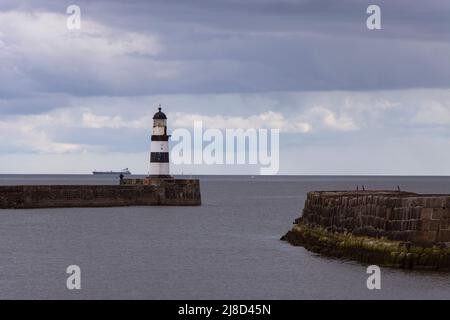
[(166, 192), (367, 225)]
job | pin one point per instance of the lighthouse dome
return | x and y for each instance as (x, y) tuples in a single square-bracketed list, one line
[(159, 114)]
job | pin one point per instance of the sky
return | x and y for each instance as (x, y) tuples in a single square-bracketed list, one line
[(347, 100)]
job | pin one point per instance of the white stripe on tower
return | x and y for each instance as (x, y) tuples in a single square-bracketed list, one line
[(159, 155)]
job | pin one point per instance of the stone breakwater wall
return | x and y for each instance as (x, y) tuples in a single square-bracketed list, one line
[(403, 216), (387, 228), (170, 192)]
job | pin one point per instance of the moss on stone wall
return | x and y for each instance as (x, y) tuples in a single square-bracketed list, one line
[(379, 251)]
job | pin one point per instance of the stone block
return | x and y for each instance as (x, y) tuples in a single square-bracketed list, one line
[(438, 213), (430, 225), (416, 213), (426, 213), (443, 236), (447, 202), (446, 213), (388, 213), (444, 224), (436, 202), (429, 236), (396, 225), (405, 202)]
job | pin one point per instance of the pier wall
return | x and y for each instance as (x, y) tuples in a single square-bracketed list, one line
[(400, 216), (176, 192)]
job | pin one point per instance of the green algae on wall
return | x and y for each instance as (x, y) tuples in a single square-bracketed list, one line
[(369, 250)]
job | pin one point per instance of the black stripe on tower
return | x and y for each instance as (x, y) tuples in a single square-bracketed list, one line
[(159, 157), (160, 138)]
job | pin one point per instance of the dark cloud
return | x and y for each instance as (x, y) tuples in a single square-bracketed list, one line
[(254, 46)]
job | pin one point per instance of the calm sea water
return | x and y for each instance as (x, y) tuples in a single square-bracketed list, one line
[(228, 248)]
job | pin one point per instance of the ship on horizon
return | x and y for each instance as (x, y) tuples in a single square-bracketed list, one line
[(123, 172)]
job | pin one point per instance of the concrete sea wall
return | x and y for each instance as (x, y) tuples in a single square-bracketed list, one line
[(386, 227), (176, 192)]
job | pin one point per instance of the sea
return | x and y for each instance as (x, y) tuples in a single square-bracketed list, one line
[(227, 248)]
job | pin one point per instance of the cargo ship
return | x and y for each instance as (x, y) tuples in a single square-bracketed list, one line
[(124, 172)]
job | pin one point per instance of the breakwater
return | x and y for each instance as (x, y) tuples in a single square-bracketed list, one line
[(176, 192), (400, 229)]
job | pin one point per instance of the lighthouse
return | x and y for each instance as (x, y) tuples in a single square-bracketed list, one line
[(159, 150)]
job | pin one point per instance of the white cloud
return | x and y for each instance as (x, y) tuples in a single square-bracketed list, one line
[(268, 120), (45, 33), (36, 133), (434, 112), (331, 119), (39, 53), (91, 120), (319, 123), (29, 134), (316, 118)]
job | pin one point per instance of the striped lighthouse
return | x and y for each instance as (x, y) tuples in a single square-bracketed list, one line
[(159, 155)]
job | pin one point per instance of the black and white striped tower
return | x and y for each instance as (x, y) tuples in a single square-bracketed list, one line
[(159, 155)]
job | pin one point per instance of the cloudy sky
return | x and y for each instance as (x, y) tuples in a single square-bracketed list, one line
[(347, 100)]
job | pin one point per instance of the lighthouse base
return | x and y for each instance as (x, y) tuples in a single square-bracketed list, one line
[(159, 168), (172, 191), (159, 176)]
